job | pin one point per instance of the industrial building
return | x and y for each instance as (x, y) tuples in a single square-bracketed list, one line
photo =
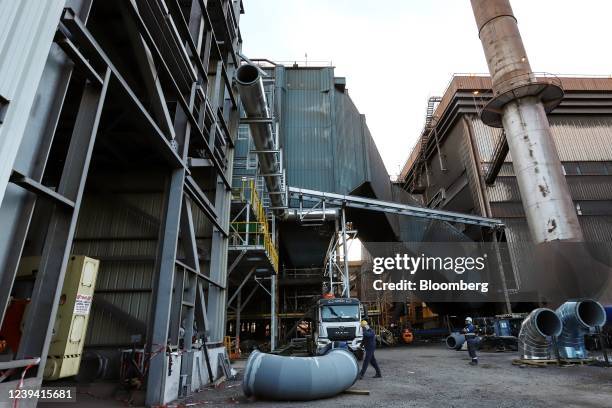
[(170, 205), (460, 164)]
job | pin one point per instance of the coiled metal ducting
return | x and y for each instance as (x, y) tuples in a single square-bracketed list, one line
[(536, 332), (578, 318), (282, 378)]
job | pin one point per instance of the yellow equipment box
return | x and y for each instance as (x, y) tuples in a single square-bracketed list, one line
[(66, 347)]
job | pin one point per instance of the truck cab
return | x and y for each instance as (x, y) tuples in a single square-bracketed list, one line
[(338, 319)]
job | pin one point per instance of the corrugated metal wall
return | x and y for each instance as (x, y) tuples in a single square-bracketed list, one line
[(122, 231), (307, 128), (350, 147), (326, 141), (578, 138)]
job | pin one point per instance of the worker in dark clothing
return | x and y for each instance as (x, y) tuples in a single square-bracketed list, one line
[(472, 341), (369, 345)]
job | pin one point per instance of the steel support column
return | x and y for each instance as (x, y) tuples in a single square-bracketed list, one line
[(37, 332), (157, 340)]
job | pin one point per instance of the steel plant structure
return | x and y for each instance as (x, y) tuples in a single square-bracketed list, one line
[(120, 115)]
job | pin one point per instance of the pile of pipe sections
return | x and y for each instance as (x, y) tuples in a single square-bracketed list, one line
[(579, 318), (536, 334), (286, 378), (568, 324), (455, 341)]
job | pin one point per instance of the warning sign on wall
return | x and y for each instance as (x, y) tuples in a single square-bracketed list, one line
[(82, 304)]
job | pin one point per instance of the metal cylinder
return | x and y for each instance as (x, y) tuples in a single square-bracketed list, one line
[(455, 341), (548, 205), (253, 98), (311, 215), (536, 332), (502, 44), (578, 318), (546, 198), (282, 378)]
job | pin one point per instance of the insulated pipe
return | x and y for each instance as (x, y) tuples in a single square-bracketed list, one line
[(578, 318), (283, 378), (253, 98), (455, 341), (311, 215), (535, 334), (518, 96)]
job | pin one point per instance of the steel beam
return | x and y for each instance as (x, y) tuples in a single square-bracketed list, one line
[(37, 331), (499, 155), (164, 282), (394, 208)]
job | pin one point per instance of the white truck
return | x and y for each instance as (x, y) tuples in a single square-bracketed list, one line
[(338, 320)]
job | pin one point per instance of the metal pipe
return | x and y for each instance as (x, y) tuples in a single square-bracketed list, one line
[(345, 276), (578, 318), (536, 332), (521, 99), (455, 341), (311, 215), (253, 98), (283, 378), (273, 320)]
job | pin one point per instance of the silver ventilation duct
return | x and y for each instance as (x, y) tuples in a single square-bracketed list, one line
[(455, 341), (578, 318), (253, 97), (283, 378), (536, 332)]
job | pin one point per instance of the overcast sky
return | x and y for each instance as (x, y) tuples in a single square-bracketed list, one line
[(397, 53)]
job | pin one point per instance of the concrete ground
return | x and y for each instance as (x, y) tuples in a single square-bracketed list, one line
[(433, 376)]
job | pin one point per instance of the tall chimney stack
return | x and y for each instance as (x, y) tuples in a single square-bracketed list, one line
[(519, 105)]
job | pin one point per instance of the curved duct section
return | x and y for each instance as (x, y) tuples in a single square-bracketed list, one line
[(282, 378), (578, 318), (253, 97), (535, 334), (455, 341)]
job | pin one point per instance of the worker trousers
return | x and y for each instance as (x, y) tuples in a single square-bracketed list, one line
[(367, 360), (471, 346)]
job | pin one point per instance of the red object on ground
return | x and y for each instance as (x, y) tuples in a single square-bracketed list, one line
[(11, 327)]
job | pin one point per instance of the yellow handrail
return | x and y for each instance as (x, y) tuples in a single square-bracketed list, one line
[(260, 226)]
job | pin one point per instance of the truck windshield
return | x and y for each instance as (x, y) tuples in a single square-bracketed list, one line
[(340, 313)]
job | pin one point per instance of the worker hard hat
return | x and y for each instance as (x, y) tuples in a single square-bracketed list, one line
[(468, 320)]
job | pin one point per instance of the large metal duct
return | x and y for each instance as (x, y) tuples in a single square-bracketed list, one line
[(282, 378), (520, 104), (455, 341), (536, 332), (253, 97), (578, 318)]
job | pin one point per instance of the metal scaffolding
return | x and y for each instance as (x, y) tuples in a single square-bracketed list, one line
[(176, 142)]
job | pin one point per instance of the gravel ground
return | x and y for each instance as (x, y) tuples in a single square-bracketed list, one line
[(427, 376), (432, 376)]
